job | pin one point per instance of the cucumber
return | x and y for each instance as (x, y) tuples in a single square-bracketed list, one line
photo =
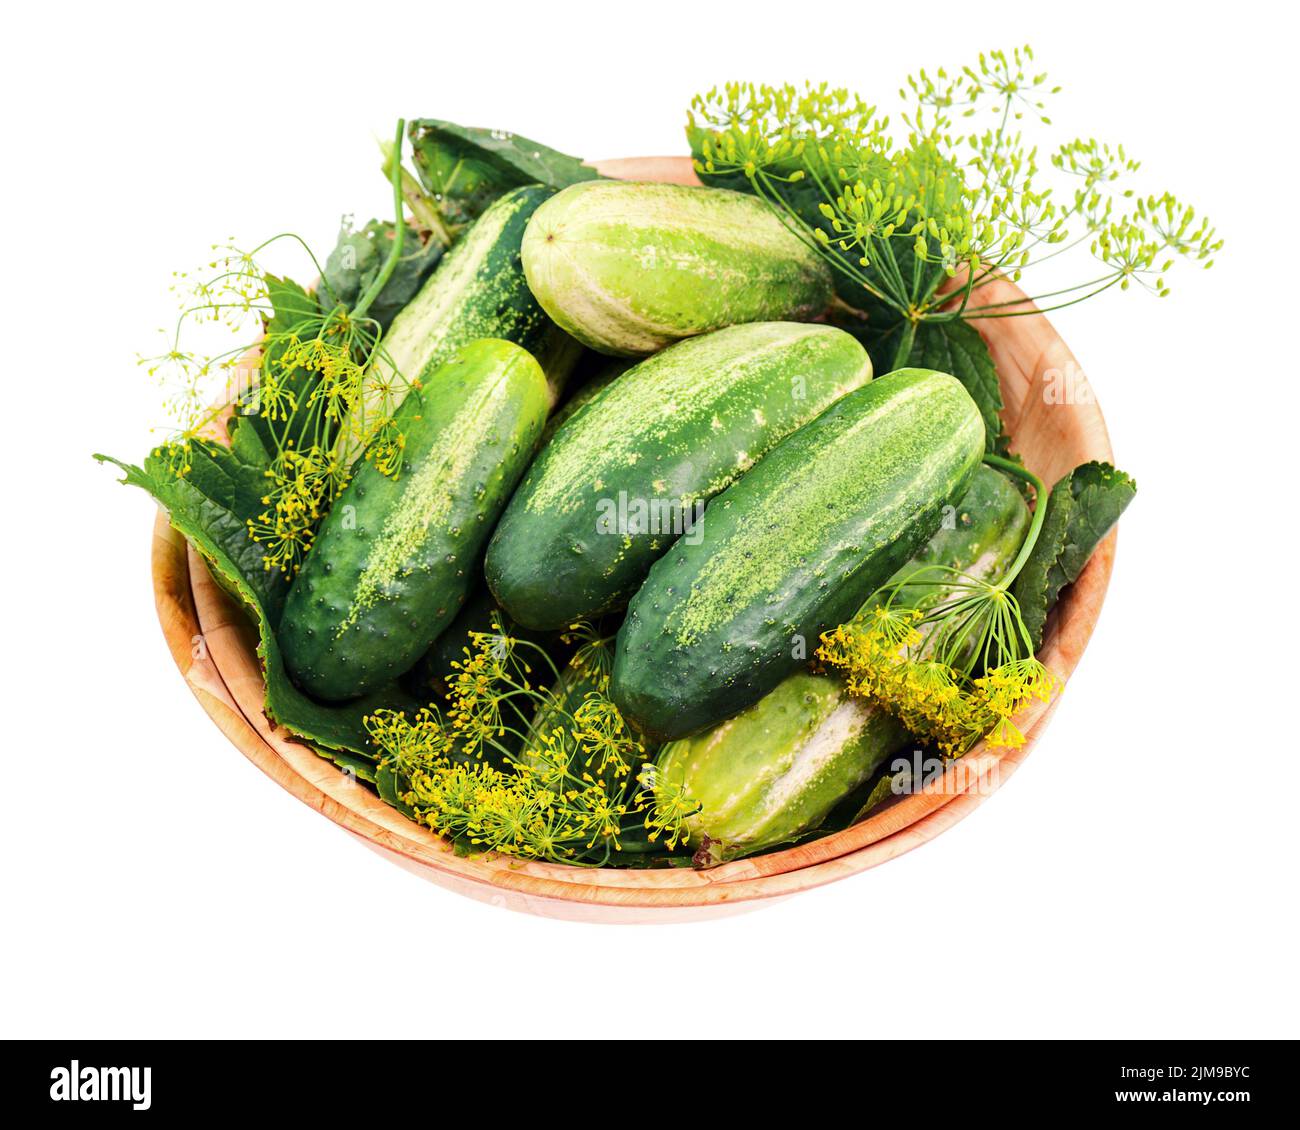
[(631, 470), (477, 291), (979, 536), (628, 268), (792, 549), (777, 769), (431, 674), (394, 559)]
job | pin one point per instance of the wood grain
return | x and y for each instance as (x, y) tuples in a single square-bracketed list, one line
[(213, 646)]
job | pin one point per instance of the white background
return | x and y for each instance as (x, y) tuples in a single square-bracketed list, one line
[(1136, 878)]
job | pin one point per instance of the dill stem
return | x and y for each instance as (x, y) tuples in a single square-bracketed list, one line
[(421, 207), (905, 343), (1040, 512), (399, 231)]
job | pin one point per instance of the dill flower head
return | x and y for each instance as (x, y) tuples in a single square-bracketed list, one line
[(946, 652), (487, 778), (667, 807), (303, 377), (603, 738), (317, 376), (956, 185), (301, 486), (919, 666)]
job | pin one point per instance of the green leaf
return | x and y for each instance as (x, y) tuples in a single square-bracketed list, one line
[(291, 307), (215, 523), (226, 479), (464, 169), (290, 304), (359, 256), (214, 527), (1081, 509), (390, 787), (882, 791), (247, 445)]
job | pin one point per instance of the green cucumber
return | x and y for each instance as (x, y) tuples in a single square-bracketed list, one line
[(477, 291), (633, 468), (394, 558), (792, 549), (979, 537), (777, 769), (628, 268), (431, 674)]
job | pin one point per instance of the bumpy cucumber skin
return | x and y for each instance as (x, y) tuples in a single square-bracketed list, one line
[(792, 549), (627, 267), (432, 672), (394, 559), (673, 431), (477, 291), (778, 768)]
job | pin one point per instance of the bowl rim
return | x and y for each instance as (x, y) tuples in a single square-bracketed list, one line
[(211, 643)]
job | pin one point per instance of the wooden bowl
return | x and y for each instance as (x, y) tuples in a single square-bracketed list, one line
[(213, 644)]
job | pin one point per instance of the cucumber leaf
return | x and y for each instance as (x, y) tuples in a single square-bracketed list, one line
[(359, 256), (214, 525), (290, 304), (1081, 509), (464, 169), (247, 445), (390, 786)]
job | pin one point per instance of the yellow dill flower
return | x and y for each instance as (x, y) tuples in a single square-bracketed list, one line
[(960, 670), (603, 736), (893, 628), (566, 796), (300, 488), (387, 450), (666, 805), (890, 659)]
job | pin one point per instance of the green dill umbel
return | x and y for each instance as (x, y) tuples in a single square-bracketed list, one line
[(914, 219)]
